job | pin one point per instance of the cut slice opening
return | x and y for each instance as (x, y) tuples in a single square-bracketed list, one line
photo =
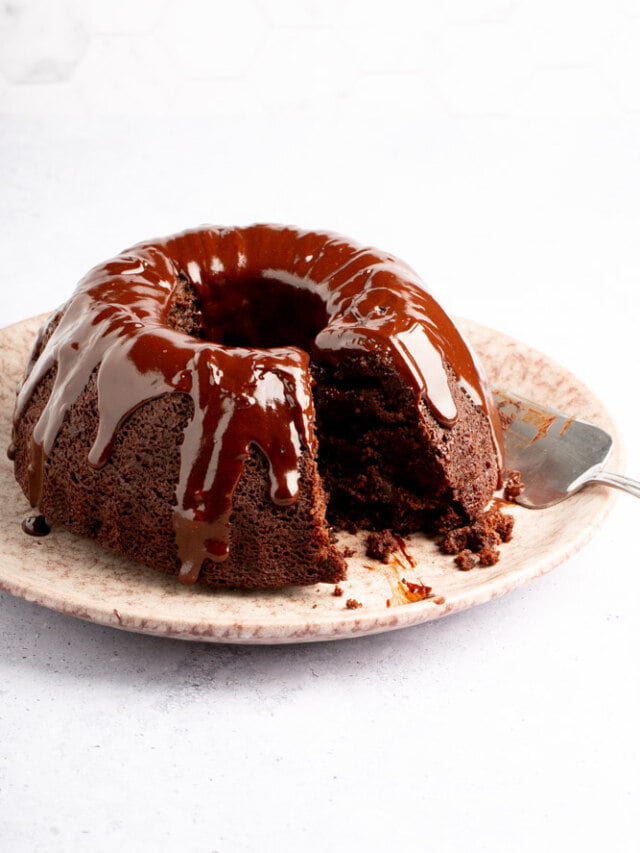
[(376, 457)]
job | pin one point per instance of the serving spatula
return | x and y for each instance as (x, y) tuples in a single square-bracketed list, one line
[(555, 454)]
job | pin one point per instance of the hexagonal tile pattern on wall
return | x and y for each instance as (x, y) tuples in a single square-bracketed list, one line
[(41, 41), (212, 40), (341, 58)]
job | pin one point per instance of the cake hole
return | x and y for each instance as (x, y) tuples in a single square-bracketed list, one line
[(260, 313)]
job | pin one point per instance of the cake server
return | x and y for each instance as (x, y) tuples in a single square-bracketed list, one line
[(555, 454)]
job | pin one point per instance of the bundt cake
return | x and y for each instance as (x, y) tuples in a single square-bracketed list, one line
[(200, 398)]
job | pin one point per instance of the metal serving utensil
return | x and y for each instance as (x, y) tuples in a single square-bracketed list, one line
[(556, 455)]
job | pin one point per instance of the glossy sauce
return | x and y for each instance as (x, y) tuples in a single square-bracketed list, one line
[(36, 525)]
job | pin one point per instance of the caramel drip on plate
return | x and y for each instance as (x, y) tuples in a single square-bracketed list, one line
[(36, 525), (116, 325)]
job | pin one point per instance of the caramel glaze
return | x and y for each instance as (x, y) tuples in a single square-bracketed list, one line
[(36, 525), (245, 390)]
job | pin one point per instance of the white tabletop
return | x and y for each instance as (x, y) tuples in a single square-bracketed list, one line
[(512, 726)]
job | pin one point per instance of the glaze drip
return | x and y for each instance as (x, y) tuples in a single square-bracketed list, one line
[(352, 298), (36, 525)]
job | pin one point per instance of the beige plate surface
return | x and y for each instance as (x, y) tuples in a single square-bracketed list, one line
[(76, 577)]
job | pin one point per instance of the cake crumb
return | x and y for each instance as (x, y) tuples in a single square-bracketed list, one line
[(482, 534), (513, 485), (449, 520), (352, 604), (388, 602), (455, 541), (347, 552), (482, 537), (465, 560), (381, 545), (338, 591), (488, 556), (503, 525), (507, 419)]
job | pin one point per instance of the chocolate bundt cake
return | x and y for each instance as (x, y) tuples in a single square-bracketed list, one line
[(200, 397)]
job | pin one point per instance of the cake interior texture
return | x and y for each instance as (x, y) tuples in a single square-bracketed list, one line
[(380, 461)]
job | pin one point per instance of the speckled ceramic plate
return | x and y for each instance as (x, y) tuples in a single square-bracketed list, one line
[(76, 577)]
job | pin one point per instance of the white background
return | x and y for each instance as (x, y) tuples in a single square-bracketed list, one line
[(495, 146)]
